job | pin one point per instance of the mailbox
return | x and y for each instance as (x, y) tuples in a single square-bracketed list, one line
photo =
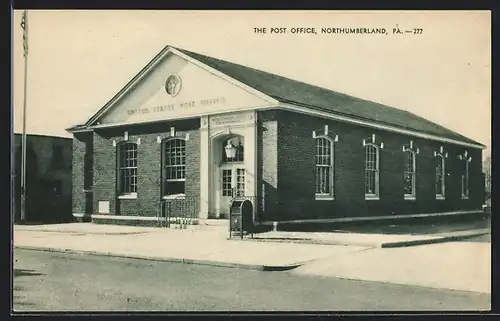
[(240, 217)]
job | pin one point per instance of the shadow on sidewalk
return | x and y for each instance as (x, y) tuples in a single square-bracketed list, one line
[(418, 227), (23, 272)]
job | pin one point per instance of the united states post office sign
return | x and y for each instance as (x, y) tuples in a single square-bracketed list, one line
[(232, 119)]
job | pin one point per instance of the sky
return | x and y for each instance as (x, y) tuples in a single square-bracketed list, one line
[(78, 60)]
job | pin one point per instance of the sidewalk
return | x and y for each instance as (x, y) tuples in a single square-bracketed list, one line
[(457, 265), (362, 239), (189, 246)]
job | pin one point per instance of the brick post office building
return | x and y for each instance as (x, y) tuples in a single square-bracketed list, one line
[(300, 152)]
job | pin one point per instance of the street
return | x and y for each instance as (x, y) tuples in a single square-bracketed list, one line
[(49, 281)]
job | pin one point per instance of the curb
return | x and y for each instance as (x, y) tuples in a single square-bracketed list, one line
[(443, 239), (254, 267)]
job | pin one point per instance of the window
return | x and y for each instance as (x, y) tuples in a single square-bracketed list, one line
[(465, 180), (174, 167), (371, 171), (240, 182), (440, 176), (227, 182), (409, 175), (324, 168), (127, 179), (233, 181)]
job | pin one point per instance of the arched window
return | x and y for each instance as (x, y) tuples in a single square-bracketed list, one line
[(410, 175), (440, 176), (127, 168), (174, 167), (371, 171), (465, 181), (324, 167), (465, 174)]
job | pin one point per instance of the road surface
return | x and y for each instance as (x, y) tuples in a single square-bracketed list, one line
[(49, 281)]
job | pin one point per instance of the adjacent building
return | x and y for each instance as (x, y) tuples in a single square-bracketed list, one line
[(48, 178), (196, 128)]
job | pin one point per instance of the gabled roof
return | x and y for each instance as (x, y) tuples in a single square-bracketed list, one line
[(298, 93)]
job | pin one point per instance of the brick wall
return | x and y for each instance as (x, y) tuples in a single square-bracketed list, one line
[(267, 164), (285, 169), (104, 168), (297, 183), (80, 142), (295, 168), (149, 153)]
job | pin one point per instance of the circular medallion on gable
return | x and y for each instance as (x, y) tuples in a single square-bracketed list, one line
[(173, 85)]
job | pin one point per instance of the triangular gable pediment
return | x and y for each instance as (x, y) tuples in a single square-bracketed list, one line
[(194, 89)]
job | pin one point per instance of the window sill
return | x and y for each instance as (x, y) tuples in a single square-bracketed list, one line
[(440, 197), (173, 196), (410, 198), (131, 196), (372, 198), (321, 197)]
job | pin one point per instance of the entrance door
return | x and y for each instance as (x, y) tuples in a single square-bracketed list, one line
[(232, 184)]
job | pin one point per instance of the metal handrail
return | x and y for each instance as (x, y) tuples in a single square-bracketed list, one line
[(187, 210)]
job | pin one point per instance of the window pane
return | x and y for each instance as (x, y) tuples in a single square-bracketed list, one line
[(324, 164), (370, 182), (371, 169), (226, 182), (465, 180), (409, 173), (127, 167), (408, 183), (322, 180), (409, 161), (240, 182), (174, 164), (439, 175)]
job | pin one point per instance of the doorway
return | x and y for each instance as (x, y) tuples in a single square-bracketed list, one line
[(231, 172), (232, 184)]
